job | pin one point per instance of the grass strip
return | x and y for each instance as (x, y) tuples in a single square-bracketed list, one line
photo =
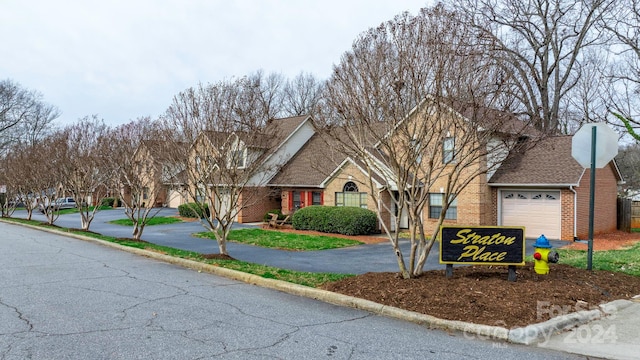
[(624, 260), (283, 240)]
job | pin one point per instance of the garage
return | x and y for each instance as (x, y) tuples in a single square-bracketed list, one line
[(538, 211)]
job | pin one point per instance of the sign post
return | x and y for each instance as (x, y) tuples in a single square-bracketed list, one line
[(587, 154)]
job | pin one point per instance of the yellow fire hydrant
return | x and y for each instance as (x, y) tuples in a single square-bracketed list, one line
[(543, 255)]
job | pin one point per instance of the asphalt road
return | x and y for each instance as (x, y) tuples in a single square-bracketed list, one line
[(352, 260), (63, 298)]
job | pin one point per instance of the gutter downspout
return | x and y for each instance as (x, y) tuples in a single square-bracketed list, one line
[(575, 212)]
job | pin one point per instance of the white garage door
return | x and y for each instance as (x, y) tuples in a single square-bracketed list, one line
[(538, 211)]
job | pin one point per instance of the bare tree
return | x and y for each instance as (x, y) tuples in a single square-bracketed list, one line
[(15, 104), (45, 183), (628, 160), (539, 46), (302, 94), (21, 168), (86, 168), (625, 70), (587, 101), (39, 123), (136, 170), (410, 106), (228, 149)]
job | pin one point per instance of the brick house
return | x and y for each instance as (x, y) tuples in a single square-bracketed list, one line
[(260, 156), (158, 176), (540, 187), (545, 189)]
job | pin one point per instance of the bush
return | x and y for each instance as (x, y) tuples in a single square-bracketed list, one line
[(193, 210), (108, 202), (267, 217), (336, 219)]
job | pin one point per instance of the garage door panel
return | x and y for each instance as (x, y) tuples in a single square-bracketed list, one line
[(538, 211)]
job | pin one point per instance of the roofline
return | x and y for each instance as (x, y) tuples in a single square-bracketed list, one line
[(531, 185), (296, 186), (323, 184), (288, 136), (618, 173)]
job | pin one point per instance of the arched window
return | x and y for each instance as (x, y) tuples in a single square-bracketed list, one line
[(350, 186), (350, 196)]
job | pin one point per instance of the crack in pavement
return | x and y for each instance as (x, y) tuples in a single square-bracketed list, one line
[(20, 315)]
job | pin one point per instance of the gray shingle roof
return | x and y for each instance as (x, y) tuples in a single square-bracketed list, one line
[(311, 165), (547, 161)]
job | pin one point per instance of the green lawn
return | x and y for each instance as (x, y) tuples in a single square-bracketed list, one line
[(625, 261), (284, 240), (158, 220)]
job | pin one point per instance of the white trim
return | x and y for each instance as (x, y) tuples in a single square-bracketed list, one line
[(575, 211), (288, 137), (533, 186), (331, 176)]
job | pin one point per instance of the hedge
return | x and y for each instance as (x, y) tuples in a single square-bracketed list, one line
[(336, 219), (108, 201), (192, 210), (267, 217)]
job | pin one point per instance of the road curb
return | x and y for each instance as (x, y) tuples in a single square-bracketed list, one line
[(522, 335), (542, 331)]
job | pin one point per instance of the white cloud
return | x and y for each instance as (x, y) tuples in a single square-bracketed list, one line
[(124, 59)]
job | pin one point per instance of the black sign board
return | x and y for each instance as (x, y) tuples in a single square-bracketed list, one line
[(482, 245)]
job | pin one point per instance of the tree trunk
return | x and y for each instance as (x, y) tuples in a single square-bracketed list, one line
[(84, 222), (403, 269), (222, 247), (137, 232), (424, 254)]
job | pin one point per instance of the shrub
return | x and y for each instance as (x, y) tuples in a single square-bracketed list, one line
[(193, 210), (334, 219), (267, 217), (108, 201)]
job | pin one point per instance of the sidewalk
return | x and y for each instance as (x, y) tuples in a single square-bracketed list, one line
[(616, 336)]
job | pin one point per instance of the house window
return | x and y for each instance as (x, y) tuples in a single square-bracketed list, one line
[(448, 146), (351, 197), (316, 198), (435, 207), (238, 156), (297, 202), (350, 186)]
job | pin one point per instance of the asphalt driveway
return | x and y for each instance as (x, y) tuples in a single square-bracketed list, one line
[(352, 260)]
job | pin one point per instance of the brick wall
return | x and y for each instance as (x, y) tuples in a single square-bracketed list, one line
[(474, 204), (567, 210), (605, 211), (258, 201)]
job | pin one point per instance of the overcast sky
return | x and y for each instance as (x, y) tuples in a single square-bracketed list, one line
[(123, 59)]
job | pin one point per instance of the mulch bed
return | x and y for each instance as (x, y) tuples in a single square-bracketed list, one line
[(482, 294)]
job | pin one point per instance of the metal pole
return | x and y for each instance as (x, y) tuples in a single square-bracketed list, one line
[(592, 193)]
